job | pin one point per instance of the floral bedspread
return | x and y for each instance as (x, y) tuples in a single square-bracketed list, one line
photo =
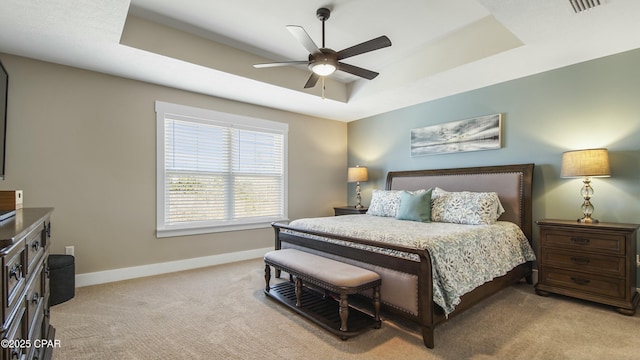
[(463, 257)]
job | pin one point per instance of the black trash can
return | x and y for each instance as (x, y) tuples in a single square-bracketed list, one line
[(62, 278)]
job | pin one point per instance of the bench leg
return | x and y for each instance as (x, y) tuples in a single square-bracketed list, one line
[(344, 311), (298, 292), (267, 277), (376, 305)]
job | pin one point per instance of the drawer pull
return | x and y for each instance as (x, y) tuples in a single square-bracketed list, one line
[(580, 241), (580, 281), (34, 298), (16, 271), (580, 261), (35, 245)]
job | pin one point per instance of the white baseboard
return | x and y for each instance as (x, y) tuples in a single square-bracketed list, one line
[(101, 277)]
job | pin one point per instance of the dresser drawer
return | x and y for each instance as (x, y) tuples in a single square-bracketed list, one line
[(35, 333), (34, 247), (588, 283), (14, 334), (13, 273), (583, 261), (44, 276), (593, 241), (34, 296)]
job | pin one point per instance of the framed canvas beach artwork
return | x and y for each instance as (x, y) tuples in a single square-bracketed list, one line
[(479, 133)]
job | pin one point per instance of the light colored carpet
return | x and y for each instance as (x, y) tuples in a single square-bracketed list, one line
[(221, 313)]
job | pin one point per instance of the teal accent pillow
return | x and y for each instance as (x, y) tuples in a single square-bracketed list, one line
[(415, 206)]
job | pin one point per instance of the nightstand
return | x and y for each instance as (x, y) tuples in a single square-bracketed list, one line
[(348, 210), (594, 262)]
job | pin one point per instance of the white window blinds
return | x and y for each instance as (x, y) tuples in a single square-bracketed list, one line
[(219, 171)]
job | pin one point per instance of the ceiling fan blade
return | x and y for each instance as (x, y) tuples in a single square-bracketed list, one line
[(371, 45), (301, 35), (313, 79), (276, 64), (357, 71)]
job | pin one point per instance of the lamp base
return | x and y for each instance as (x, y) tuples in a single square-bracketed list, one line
[(587, 207), (358, 197)]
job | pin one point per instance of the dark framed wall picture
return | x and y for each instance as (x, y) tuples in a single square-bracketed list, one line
[(479, 133)]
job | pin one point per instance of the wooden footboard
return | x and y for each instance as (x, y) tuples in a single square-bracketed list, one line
[(427, 310)]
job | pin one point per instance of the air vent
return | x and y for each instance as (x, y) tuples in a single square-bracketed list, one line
[(581, 5)]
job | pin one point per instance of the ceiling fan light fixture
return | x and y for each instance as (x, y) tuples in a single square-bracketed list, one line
[(322, 69)]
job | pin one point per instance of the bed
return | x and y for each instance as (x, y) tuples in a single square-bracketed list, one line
[(408, 286)]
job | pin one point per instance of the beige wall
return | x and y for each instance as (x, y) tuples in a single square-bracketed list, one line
[(84, 143)]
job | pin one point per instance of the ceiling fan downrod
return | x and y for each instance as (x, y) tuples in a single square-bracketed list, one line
[(323, 15)]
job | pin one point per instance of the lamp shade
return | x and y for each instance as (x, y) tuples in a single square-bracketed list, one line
[(356, 174), (588, 162)]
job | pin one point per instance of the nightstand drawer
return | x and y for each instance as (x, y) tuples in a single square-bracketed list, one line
[(594, 284), (583, 241), (587, 262)]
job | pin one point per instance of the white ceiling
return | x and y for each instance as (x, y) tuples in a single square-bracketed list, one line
[(440, 47)]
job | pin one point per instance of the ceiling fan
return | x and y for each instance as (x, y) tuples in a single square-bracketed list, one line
[(324, 61)]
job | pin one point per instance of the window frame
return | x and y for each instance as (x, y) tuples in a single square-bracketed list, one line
[(217, 118)]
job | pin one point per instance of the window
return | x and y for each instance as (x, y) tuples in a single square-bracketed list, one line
[(218, 171)]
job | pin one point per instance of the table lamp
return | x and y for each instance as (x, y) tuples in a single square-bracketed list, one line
[(356, 175), (586, 163)]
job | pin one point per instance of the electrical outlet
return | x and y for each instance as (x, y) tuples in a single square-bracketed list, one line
[(69, 250)]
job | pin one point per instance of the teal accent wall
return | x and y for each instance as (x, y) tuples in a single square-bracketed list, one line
[(587, 105)]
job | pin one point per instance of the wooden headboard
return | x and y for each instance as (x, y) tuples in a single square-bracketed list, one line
[(512, 183)]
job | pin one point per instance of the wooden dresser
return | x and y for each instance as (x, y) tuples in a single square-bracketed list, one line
[(594, 262), (24, 244)]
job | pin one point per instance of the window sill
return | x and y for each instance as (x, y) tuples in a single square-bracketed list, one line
[(163, 233)]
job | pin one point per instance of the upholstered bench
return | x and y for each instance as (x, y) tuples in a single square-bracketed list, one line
[(331, 275)]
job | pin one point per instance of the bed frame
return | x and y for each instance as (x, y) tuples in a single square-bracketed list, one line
[(512, 183)]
